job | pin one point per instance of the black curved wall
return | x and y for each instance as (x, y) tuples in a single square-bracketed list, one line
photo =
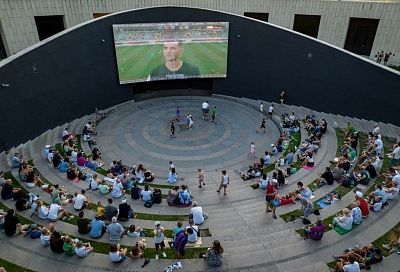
[(77, 72)]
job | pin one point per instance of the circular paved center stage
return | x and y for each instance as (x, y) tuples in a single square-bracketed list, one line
[(140, 133)]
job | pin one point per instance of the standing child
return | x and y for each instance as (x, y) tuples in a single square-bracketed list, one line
[(224, 182), (178, 114), (190, 126), (171, 165), (159, 238), (201, 177), (214, 114), (172, 129), (252, 152)]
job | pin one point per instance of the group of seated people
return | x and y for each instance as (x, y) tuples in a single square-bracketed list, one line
[(314, 126), (355, 259), (290, 122), (180, 196)]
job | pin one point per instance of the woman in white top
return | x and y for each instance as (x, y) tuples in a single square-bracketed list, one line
[(345, 221), (309, 161), (139, 173), (172, 176), (42, 210), (263, 182)]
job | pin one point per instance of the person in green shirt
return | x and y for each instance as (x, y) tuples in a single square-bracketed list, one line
[(69, 246), (349, 130), (214, 114), (352, 153), (362, 177), (104, 188), (173, 67)]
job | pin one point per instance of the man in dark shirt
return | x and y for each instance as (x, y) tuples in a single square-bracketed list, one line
[(8, 190), (83, 224), (111, 211), (12, 225), (371, 170), (22, 203), (173, 67), (125, 211), (326, 177)]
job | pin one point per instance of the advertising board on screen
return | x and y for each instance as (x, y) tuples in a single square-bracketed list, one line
[(164, 51)]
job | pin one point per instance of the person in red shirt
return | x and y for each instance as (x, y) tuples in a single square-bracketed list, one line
[(269, 198), (362, 203)]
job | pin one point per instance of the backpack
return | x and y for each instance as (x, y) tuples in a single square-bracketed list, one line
[(157, 196), (148, 204)]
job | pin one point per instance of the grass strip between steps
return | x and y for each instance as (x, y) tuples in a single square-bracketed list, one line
[(13, 267)]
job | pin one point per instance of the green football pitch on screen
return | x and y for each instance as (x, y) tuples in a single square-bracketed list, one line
[(135, 62)]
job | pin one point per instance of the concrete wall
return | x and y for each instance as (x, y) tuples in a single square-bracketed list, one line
[(77, 72), (17, 16)]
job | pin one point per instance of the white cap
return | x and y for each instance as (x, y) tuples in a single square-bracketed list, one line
[(359, 194), (47, 146), (124, 200)]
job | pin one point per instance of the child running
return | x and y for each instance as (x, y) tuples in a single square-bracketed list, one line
[(201, 177)]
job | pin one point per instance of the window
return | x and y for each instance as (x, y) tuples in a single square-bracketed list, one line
[(49, 25), (307, 24), (257, 15), (361, 35)]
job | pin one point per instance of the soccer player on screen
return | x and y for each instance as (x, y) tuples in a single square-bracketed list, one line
[(173, 67)]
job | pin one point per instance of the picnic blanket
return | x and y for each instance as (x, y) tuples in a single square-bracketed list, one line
[(342, 231), (322, 204), (309, 168)]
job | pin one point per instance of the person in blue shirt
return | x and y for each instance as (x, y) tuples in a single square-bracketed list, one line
[(98, 227)]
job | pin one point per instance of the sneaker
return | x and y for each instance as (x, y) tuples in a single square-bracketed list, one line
[(218, 191), (156, 257), (386, 246), (204, 184), (200, 186), (164, 255), (274, 216)]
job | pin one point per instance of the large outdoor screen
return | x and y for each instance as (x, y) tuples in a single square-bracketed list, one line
[(163, 51)]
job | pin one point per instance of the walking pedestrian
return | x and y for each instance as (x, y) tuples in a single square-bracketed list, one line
[(189, 122), (252, 152), (224, 182), (282, 96), (172, 129), (159, 237), (262, 126), (201, 177), (270, 111), (214, 114), (178, 114), (261, 107), (205, 108)]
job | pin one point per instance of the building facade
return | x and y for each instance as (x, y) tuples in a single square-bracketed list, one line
[(363, 27)]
